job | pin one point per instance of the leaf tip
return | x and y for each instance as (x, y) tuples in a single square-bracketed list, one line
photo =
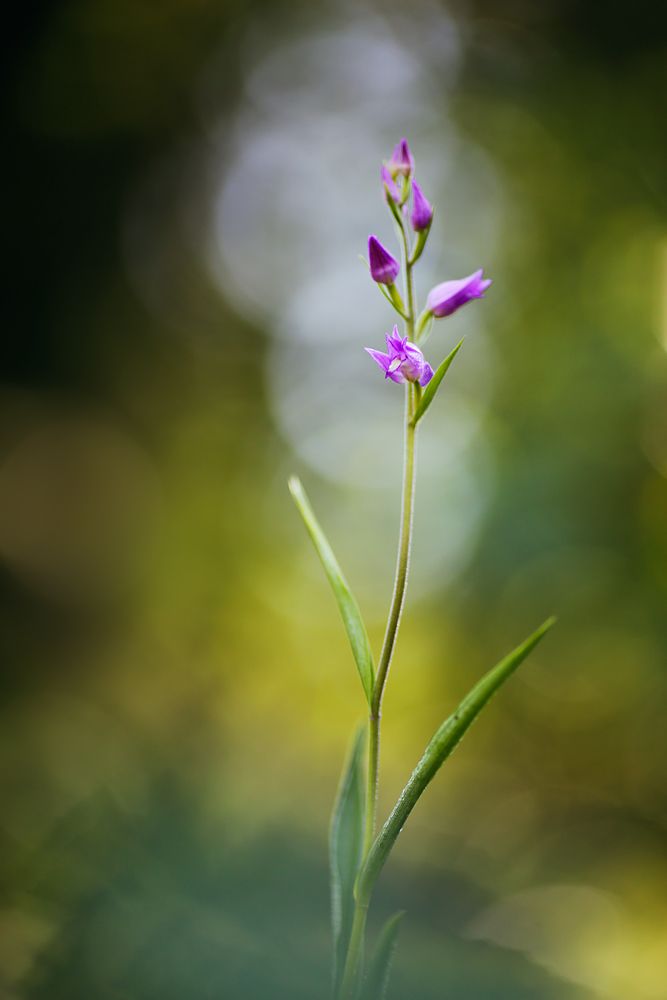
[(294, 485)]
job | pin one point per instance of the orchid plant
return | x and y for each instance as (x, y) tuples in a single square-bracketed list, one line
[(357, 854)]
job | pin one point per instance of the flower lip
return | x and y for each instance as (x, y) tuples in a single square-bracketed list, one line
[(422, 213), (383, 267), (401, 161), (404, 362), (445, 299)]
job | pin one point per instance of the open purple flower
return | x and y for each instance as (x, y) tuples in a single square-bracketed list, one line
[(446, 298), (422, 213), (384, 268), (404, 362), (401, 161), (388, 180)]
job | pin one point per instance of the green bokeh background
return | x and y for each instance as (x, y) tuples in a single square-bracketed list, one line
[(177, 693)]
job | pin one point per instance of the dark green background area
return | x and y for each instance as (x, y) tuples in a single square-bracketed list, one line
[(166, 768)]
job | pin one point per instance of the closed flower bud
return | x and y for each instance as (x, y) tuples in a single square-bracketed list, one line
[(445, 299), (401, 161), (388, 183), (422, 213), (384, 268)]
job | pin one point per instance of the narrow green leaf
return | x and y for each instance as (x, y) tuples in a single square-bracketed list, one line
[(346, 844), (432, 387), (450, 733), (349, 610), (377, 980), (393, 208)]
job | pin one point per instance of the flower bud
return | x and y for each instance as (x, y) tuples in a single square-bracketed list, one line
[(446, 298), (422, 213), (388, 183), (404, 362), (401, 161), (384, 268)]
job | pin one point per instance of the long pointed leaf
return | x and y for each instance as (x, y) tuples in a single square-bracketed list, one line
[(393, 207), (346, 843), (434, 384), (450, 733), (377, 980), (349, 610)]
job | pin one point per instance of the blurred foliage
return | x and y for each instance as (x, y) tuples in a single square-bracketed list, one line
[(176, 689)]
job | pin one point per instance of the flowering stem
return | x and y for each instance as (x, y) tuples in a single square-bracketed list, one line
[(357, 934), (403, 557), (413, 395), (393, 621)]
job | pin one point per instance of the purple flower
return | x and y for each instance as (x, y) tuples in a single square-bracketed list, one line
[(446, 298), (384, 267), (401, 161), (388, 180), (404, 362), (422, 213)]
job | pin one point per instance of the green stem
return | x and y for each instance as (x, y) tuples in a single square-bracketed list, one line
[(393, 622), (413, 394), (402, 566), (403, 562), (409, 284), (412, 401), (372, 779), (354, 953)]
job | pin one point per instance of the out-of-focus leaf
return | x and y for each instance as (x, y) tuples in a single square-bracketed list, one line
[(423, 326), (346, 842), (375, 986), (448, 736), (434, 384), (349, 610), (393, 207)]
